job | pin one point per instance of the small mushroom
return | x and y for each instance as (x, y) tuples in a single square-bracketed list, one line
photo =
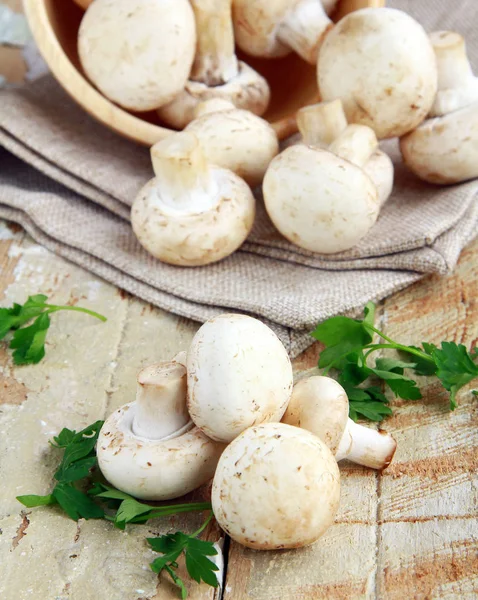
[(191, 213), (216, 72), (320, 405), (272, 29), (380, 63), (235, 139), (150, 448), (322, 124), (138, 53), (444, 148), (239, 375), (276, 487), (317, 199)]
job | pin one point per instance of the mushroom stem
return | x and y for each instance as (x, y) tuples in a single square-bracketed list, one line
[(180, 165), (161, 410), (356, 144), (320, 124), (453, 65), (304, 29), (215, 62), (212, 106), (457, 86), (365, 446)]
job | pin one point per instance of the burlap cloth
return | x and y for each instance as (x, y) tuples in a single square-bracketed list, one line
[(83, 215)]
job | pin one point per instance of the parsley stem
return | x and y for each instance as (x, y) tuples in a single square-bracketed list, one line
[(52, 308), (203, 526), (394, 345)]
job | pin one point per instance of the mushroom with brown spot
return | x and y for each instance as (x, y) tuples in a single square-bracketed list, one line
[(235, 139), (191, 213), (276, 487), (274, 29), (380, 63), (150, 448), (216, 72), (444, 148), (239, 375), (320, 405), (322, 199), (138, 53)]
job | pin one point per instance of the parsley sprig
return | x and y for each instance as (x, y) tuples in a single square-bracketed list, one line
[(349, 344), (80, 494), (196, 552), (28, 343)]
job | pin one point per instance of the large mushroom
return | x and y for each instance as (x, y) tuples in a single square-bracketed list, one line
[(323, 200), (235, 139), (320, 405), (380, 63), (150, 448), (272, 29), (239, 375), (276, 487), (138, 53), (191, 213), (216, 72), (444, 148)]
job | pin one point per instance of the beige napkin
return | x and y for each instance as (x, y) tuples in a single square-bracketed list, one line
[(422, 229)]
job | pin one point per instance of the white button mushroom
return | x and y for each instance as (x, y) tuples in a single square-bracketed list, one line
[(325, 125), (276, 487), (192, 213), (150, 448), (216, 72), (138, 53), (235, 139), (320, 405), (239, 375), (274, 29), (444, 149), (380, 62), (317, 199)]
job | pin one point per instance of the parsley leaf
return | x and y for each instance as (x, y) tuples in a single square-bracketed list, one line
[(79, 458), (29, 342), (196, 552), (349, 344), (455, 367)]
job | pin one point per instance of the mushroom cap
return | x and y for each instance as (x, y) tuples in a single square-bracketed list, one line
[(194, 238), (237, 140), (381, 64), (276, 486), (248, 90), (239, 375), (319, 201), (444, 150), (138, 53), (154, 469), (380, 169), (256, 25), (320, 405)]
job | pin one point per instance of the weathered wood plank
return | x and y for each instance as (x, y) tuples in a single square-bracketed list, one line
[(429, 495)]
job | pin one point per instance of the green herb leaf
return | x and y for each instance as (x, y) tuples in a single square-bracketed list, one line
[(76, 504), (64, 438), (196, 552), (455, 368), (76, 470), (342, 336), (30, 501), (29, 342)]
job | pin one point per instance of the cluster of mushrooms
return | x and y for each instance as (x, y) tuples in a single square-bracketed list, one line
[(228, 410), (379, 76)]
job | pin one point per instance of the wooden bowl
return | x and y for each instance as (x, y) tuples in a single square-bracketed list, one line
[(55, 23)]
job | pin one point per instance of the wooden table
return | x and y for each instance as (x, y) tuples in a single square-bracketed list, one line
[(409, 532)]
